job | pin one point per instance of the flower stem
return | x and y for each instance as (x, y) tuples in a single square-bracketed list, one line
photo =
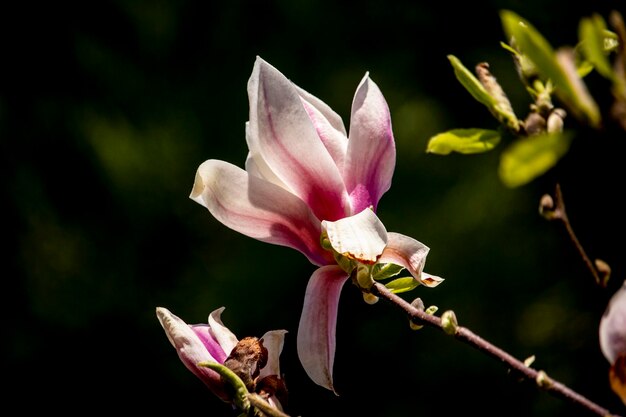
[(465, 335), (259, 403)]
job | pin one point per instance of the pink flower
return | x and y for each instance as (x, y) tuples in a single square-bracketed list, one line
[(214, 342), (307, 181), (613, 340)]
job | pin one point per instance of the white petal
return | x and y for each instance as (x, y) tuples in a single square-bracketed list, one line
[(224, 337), (362, 237), (273, 341)]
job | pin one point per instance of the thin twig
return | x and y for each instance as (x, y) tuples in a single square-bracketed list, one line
[(469, 337), (560, 214)]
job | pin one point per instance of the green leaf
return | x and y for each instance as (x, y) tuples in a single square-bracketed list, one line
[(592, 35), (402, 284), (532, 156), (532, 44), (384, 271), (569, 86), (465, 141), (471, 83)]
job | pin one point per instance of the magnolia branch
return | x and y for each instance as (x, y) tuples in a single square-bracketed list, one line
[(550, 211), (464, 334)]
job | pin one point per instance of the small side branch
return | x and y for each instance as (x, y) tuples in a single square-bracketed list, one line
[(555, 210)]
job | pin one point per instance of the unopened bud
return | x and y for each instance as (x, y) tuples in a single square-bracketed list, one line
[(325, 242), (449, 323), (529, 360), (604, 272), (418, 304), (431, 310), (546, 207), (543, 380), (555, 121), (534, 124), (370, 298)]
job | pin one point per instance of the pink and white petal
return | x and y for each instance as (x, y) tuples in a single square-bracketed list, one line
[(335, 141), (221, 333), (613, 326), (362, 237), (258, 209), (191, 351), (333, 118), (410, 254), (203, 331), (429, 280), (316, 331), (273, 341), (371, 156), (290, 145), (256, 165)]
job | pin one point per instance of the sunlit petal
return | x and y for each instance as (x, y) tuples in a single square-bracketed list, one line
[(335, 141), (258, 209), (290, 145), (316, 331), (256, 165), (371, 155), (362, 237), (410, 254), (333, 118)]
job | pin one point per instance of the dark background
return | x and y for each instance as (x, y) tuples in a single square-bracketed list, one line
[(107, 109)]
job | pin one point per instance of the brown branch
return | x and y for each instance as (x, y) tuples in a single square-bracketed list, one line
[(551, 212), (465, 335)]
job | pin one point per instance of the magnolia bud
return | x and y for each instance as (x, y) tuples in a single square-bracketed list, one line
[(370, 298), (546, 207), (449, 323), (534, 124), (604, 271), (555, 121), (418, 304)]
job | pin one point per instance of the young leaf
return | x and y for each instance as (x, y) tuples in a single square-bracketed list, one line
[(531, 157), (592, 35), (471, 83), (557, 69), (465, 141), (402, 284), (384, 271)]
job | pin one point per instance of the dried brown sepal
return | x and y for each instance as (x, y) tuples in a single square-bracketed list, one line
[(273, 386), (494, 89), (246, 360)]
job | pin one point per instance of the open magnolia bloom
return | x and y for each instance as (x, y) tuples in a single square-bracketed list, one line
[(254, 361), (310, 186), (613, 340)]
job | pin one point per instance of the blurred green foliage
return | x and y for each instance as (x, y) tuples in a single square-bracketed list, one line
[(106, 110)]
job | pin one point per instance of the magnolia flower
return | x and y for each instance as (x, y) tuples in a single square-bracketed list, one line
[(613, 340), (310, 186), (251, 359)]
